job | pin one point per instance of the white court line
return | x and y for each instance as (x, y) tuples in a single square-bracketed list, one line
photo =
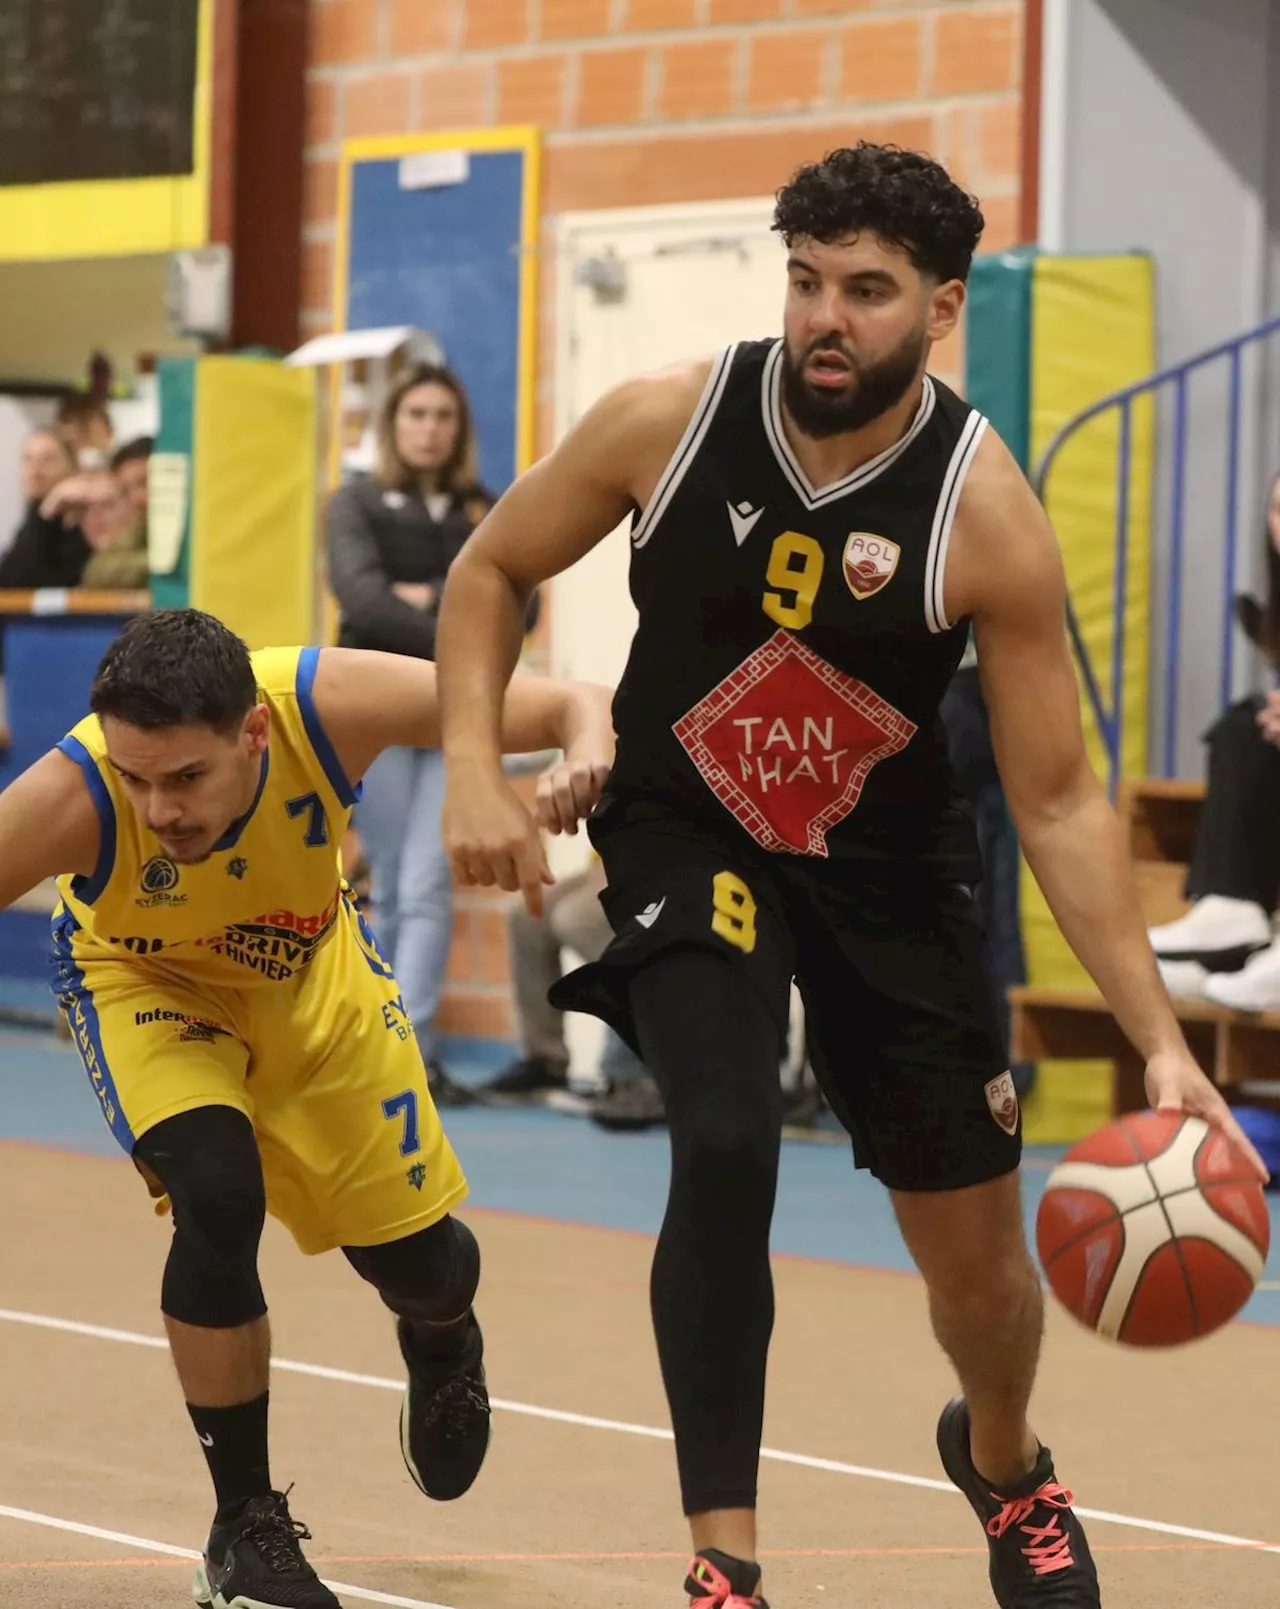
[(146, 1545), (830, 1466)]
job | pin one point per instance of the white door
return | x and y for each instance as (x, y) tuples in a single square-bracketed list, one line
[(640, 288)]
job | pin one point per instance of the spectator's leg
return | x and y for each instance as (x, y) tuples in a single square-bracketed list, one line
[(1234, 876), (582, 927), (619, 1064), (1237, 852), (534, 944), (579, 920), (426, 902), (381, 817)]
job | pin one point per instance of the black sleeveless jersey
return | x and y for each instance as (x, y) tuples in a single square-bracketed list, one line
[(792, 648)]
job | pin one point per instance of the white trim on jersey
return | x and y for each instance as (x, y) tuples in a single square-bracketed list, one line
[(771, 407), (687, 450), (935, 564)]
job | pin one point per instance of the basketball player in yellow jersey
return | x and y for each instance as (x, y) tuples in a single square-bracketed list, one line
[(244, 1037)]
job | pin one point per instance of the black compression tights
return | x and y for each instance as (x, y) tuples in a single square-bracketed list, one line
[(713, 1047)]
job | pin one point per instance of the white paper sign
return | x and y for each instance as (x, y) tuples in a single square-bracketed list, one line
[(168, 485), (427, 170)]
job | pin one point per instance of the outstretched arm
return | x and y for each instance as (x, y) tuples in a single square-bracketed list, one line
[(557, 511), (371, 701), (48, 826), (1007, 573)]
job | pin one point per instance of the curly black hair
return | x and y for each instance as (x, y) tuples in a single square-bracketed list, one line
[(906, 198)]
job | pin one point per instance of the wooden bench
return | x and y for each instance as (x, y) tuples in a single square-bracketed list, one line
[(1234, 1048)]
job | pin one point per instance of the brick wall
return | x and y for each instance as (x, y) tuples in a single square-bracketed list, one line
[(649, 101)]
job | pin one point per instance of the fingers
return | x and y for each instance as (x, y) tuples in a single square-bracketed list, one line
[(568, 793), (474, 868), (492, 840), (532, 872), (1227, 1122), (1215, 1110)]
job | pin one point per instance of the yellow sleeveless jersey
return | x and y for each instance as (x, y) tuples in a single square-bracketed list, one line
[(257, 909)]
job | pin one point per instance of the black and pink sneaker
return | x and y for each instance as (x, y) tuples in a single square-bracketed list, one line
[(1040, 1558), (718, 1581)]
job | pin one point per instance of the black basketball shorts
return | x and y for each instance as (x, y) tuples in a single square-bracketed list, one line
[(901, 1018)]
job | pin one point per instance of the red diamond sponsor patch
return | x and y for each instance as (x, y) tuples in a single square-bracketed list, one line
[(786, 743)]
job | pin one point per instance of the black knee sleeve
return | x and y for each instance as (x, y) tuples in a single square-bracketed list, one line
[(431, 1275), (208, 1162)]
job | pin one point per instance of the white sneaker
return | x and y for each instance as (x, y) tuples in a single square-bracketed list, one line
[(1218, 932), (1185, 980), (1256, 987)]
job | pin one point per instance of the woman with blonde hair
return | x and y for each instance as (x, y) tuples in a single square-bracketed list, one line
[(391, 539)]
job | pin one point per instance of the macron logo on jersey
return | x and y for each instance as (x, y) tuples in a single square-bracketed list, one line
[(743, 519)]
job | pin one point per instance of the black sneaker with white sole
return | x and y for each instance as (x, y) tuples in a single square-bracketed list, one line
[(1040, 1558), (444, 1418), (254, 1561)]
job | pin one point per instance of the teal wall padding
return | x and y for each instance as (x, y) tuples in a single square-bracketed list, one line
[(177, 387), (998, 345)]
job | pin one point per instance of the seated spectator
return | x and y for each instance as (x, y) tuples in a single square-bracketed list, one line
[(1223, 949), (115, 522), (572, 918), (47, 551), (85, 425)]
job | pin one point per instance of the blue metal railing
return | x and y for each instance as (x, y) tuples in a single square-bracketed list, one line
[(1110, 717)]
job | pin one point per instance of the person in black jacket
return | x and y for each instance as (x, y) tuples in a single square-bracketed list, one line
[(391, 539), (45, 551), (1224, 948)]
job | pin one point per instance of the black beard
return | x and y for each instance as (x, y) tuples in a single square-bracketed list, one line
[(872, 389)]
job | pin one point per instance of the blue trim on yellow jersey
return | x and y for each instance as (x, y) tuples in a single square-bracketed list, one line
[(87, 889), (347, 792), (73, 994), (366, 942), (231, 837)]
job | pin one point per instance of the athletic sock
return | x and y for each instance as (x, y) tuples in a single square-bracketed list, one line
[(235, 1448)]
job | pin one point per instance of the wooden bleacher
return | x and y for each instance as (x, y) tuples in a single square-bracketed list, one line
[(1234, 1048)]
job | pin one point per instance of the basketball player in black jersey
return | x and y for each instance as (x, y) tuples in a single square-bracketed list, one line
[(815, 522)]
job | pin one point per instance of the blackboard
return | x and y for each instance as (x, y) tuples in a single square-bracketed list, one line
[(96, 89), (447, 259)]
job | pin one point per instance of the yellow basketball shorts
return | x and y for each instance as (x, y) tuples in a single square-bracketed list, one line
[(324, 1064)]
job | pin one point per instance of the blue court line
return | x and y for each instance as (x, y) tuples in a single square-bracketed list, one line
[(543, 1164)]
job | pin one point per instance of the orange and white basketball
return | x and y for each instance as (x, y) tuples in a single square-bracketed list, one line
[(1154, 1230)]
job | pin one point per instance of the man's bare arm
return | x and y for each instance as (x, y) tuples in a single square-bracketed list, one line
[(1007, 573), (556, 512), (1069, 832), (370, 701), (609, 463), (48, 826)]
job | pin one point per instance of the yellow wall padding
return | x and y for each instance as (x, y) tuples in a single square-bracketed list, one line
[(118, 217), (253, 499), (1093, 332)]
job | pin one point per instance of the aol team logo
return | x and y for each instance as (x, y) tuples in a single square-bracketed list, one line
[(1002, 1102), (869, 562)]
